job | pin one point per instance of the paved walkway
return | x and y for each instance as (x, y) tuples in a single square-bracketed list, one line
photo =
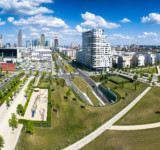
[(136, 127), (84, 141), (37, 80), (10, 138)]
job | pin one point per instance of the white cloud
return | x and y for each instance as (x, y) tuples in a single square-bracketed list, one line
[(32, 29), (150, 34), (10, 19), (152, 18), (24, 7), (45, 29), (80, 29), (2, 22), (113, 36), (146, 34), (45, 21), (53, 34), (34, 35), (125, 20), (91, 20), (141, 36), (10, 35), (23, 36)]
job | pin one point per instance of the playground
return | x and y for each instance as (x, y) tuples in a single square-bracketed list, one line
[(37, 107)]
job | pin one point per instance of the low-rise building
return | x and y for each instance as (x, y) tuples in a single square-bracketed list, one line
[(41, 55), (125, 61)]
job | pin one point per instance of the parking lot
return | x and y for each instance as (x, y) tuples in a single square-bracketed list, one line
[(37, 66)]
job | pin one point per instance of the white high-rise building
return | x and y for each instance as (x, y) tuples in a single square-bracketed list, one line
[(96, 52)]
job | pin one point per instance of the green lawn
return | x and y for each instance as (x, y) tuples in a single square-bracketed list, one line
[(117, 79), (72, 122), (146, 111), (85, 88), (148, 70), (68, 68), (126, 90), (126, 140), (114, 78)]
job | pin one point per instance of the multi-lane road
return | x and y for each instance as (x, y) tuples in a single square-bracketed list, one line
[(69, 81), (86, 78)]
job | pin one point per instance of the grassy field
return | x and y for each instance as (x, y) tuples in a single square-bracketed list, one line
[(148, 70), (72, 122), (118, 79), (146, 111), (127, 91), (84, 87), (126, 140), (68, 68), (114, 78)]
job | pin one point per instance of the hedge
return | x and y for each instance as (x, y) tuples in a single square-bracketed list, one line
[(41, 123)]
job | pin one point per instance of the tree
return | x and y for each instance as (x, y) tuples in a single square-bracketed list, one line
[(126, 94), (50, 77), (30, 127), (135, 85), (150, 79), (1, 142), (153, 83), (26, 92), (7, 102), (1, 95), (141, 74), (135, 77), (68, 93), (13, 122), (19, 109), (4, 90), (11, 96), (158, 78)]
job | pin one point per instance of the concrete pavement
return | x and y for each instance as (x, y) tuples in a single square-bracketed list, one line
[(158, 70), (84, 141), (135, 127), (10, 138)]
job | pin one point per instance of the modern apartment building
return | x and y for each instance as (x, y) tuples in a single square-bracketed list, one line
[(125, 61), (96, 52)]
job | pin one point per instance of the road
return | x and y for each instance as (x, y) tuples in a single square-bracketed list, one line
[(9, 137), (67, 78), (8, 81), (84, 141), (93, 86)]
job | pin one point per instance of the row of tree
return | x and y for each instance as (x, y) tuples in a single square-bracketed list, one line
[(11, 89)]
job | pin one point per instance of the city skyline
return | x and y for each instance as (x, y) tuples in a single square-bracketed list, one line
[(132, 22)]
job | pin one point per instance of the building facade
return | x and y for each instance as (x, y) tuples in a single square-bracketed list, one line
[(42, 40), (56, 42), (1, 41), (20, 38), (96, 52), (41, 55)]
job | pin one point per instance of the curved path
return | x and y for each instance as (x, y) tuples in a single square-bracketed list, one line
[(136, 127), (106, 126)]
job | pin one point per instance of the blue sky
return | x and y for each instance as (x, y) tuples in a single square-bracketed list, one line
[(124, 21)]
